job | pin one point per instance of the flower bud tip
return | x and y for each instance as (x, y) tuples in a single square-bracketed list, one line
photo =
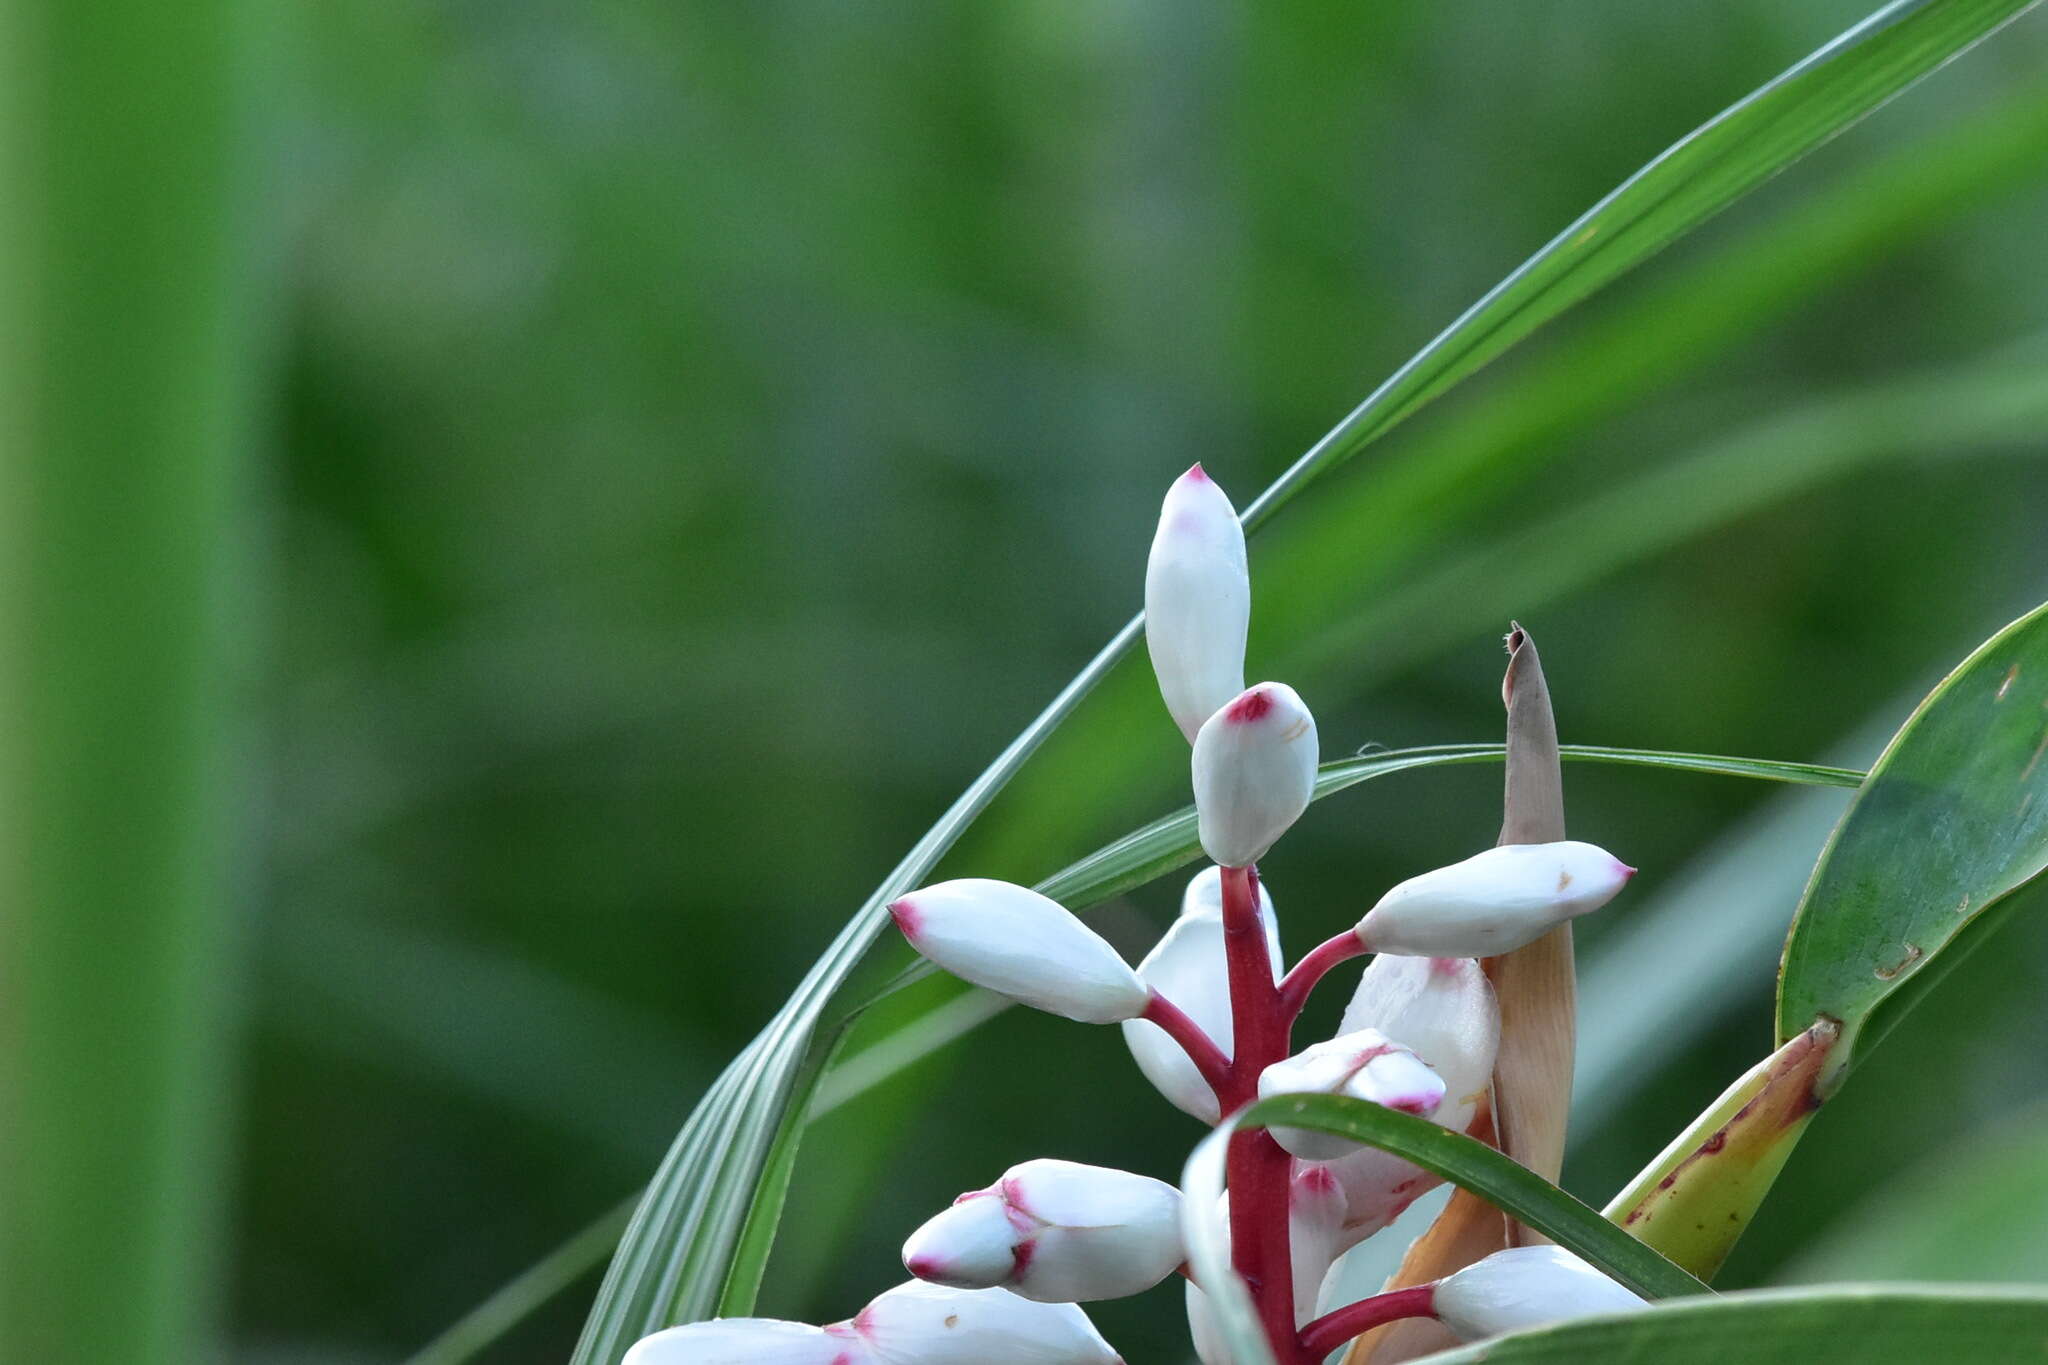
[(1250, 706), (906, 917), (1196, 472)]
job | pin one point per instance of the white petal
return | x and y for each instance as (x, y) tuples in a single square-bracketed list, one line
[(1188, 967), (1366, 1065), (1526, 1287), (1018, 943), (929, 1324), (1197, 601), (1493, 902), (1103, 1233), (1316, 1216), (1254, 770), (972, 1245), (748, 1341), (1443, 1009)]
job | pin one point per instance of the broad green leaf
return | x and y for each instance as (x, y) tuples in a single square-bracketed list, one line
[(1472, 1165), (1953, 818), (1868, 1324), (677, 1257), (1951, 821)]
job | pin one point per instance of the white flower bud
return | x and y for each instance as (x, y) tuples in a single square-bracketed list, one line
[(972, 1245), (1198, 600), (930, 1324), (1057, 1232), (750, 1341), (1366, 1065), (1444, 1008), (1018, 943), (1188, 967), (1254, 771), (1526, 1287), (1493, 902)]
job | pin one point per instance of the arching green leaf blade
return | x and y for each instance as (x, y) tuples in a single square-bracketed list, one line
[(1472, 1165)]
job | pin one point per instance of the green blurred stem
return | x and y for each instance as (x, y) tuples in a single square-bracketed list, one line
[(124, 383)]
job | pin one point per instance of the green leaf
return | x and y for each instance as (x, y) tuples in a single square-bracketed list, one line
[(1868, 1324), (1472, 1165), (1953, 818), (677, 1256)]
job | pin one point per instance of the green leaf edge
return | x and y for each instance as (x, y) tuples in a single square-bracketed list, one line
[(1953, 948)]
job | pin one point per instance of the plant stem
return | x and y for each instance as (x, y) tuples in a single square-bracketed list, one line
[(1332, 1330), (1200, 1047), (1294, 991), (1258, 1170)]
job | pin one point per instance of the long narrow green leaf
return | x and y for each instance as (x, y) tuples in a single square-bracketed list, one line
[(127, 389), (677, 1256), (1868, 1324), (1472, 1165)]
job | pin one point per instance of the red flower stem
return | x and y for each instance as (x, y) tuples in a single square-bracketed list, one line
[(1258, 1171), (1200, 1047), (1332, 1330), (1307, 972)]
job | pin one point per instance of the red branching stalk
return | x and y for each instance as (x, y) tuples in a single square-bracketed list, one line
[(1332, 1330), (1200, 1047), (1258, 1170), (1311, 969)]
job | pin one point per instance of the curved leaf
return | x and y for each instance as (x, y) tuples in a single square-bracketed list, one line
[(1472, 1165), (1953, 818), (1869, 1324)]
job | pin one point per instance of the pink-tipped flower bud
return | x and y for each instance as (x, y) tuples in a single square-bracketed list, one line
[(1188, 967), (1198, 600), (1444, 1008), (1366, 1065), (931, 1324), (1056, 1232), (1493, 902), (1018, 943), (1526, 1287), (749, 1341), (1254, 771)]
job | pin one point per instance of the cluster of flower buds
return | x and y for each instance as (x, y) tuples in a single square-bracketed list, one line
[(1207, 1017)]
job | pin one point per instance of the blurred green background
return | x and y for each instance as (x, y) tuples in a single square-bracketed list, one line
[(694, 438)]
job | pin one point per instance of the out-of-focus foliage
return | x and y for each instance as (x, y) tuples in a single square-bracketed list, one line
[(706, 434)]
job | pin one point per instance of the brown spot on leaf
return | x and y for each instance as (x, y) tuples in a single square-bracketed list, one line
[(1913, 954), (2011, 676)]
